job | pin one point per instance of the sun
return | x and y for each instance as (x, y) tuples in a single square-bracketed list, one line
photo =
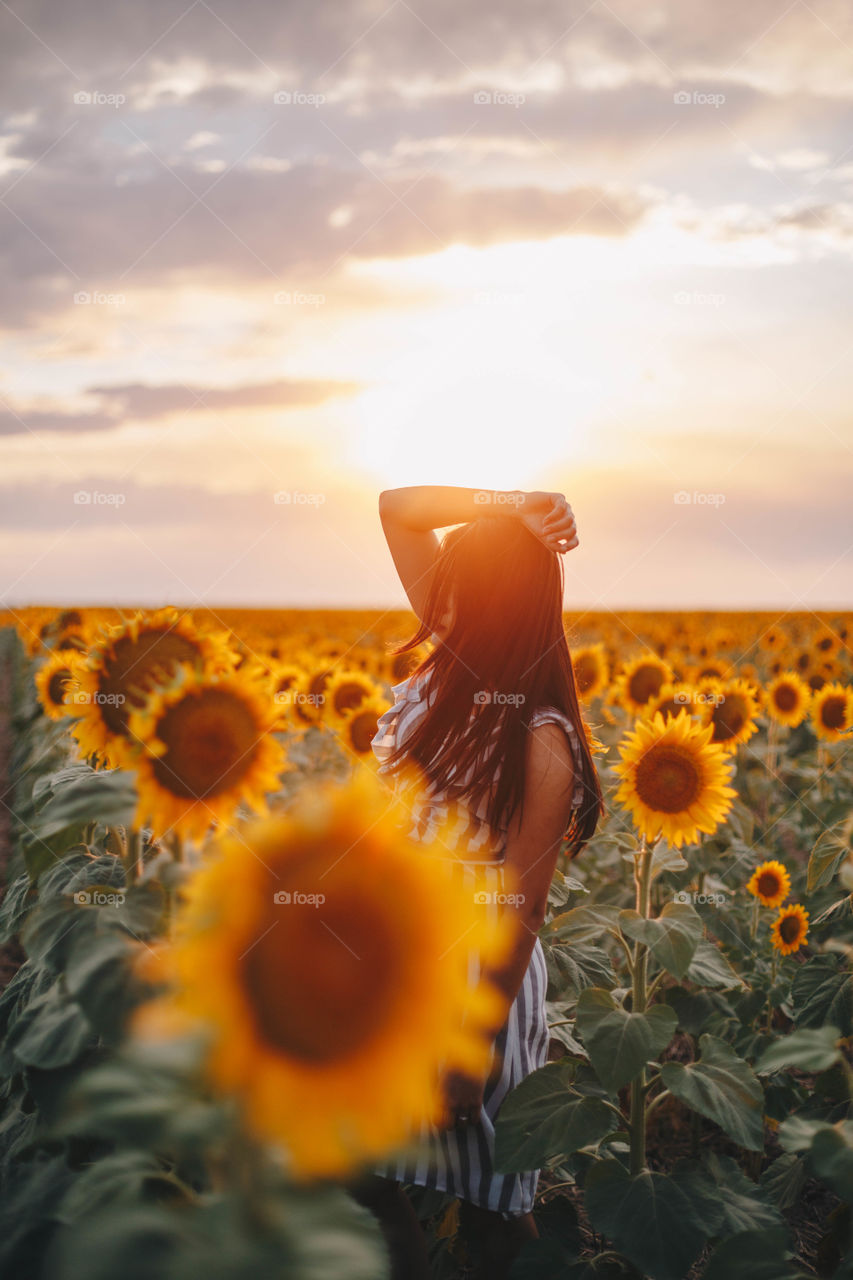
[(496, 382)]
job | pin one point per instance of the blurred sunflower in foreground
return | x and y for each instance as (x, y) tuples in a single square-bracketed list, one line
[(319, 952), (674, 779)]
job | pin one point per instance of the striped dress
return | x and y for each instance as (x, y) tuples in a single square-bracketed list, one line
[(460, 1161)]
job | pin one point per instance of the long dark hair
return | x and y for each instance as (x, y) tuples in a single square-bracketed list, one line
[(504, 589)]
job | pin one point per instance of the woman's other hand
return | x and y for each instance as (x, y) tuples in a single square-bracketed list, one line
[(463, 1099), (549, 517)]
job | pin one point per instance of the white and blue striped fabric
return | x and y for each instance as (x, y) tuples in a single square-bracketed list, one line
[(460, 1161)]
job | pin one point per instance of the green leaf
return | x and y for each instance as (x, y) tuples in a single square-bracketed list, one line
[(822, 992), (100, 978), (77, 796), (18, 899), (745, 1206), (582, 924), (572, 969), (660, 1223), (541, 1119), (832, 846), (812, 1049), (783, 1180), (710, 968), (754, 1255), (52, 929), (798, 1132), (723, 1088), (831, 1157), (620, 1043), (52, 1031), (672, 937), (126, 1178)]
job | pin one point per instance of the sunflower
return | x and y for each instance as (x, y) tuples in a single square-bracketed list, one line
[(358, 727), (52, 680), (710, 670), (826, 641), (347, 690), (202, 744), (790, 929), (591, 670), (731, 711), (398, 666), (640, 679), (674, 779), (773, 638), (671, 699), (284, 679), (306, 706), (788, 698), (832, 711), (319, 950), (770, 883), (122, 667)]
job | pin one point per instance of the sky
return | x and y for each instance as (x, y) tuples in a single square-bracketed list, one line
[(262, 260)]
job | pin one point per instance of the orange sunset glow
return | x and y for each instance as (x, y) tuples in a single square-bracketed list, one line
[(261, 263)]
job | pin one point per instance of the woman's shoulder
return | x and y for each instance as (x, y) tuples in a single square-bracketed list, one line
[(553, 715), (546, 714)]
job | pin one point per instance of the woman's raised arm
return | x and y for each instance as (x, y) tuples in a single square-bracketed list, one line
[(409, 516)]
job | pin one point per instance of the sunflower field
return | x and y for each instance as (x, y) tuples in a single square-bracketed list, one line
[(228, 978)]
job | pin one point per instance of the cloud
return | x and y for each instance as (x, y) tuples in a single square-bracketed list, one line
[(140, 402), (266, 226)]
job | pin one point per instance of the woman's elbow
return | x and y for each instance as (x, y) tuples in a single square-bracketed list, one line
[(532, 912)]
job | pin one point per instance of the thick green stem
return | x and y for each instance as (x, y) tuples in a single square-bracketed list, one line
[(772, 738), (770, 990), (133, 861), (642, 880)]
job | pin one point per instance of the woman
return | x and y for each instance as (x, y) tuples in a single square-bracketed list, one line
[(492, 719)]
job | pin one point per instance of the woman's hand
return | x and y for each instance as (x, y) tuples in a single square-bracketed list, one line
[(549, 517), (463, 1099)]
